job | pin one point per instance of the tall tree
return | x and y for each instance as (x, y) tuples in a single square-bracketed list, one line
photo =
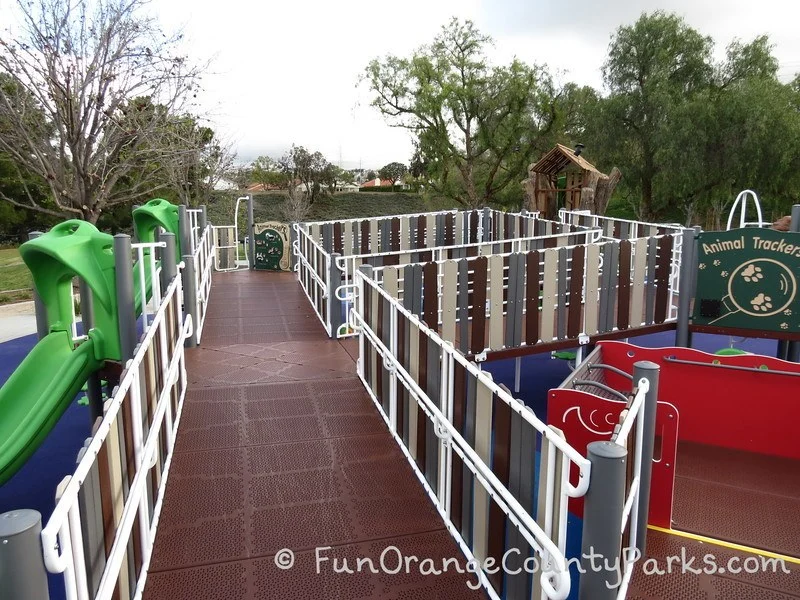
[(476, 125), (393, 172), (653, 66), (82, 64)]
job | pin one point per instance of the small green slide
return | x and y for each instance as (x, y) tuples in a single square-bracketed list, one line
[(37, 394), (39, 391)]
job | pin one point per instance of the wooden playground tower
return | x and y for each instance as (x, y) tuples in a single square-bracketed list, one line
[(562, 178)]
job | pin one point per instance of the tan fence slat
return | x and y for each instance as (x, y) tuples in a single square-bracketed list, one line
[(496, 302), (405, 233), (549, 294), (390, 281), (590, 306), (374, 242), (483, 440)]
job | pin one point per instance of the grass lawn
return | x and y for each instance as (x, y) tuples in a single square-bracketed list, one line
[(14, 275)]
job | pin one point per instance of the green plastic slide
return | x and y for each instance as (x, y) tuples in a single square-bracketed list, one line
[(37, 394)]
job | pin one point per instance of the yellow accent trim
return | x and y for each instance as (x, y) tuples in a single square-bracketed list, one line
[(729, 545)]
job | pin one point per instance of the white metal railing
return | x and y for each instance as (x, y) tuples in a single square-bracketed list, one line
[(742, 199), (62, 537), (233, 232), (193, 215), (203, 258), (630, 418), (542, 537), (635, 229), (313, 271), (147, 270)]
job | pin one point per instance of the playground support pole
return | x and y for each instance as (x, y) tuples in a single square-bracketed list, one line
[(251, 240), (683, 336), (791, 350), (94, 391), (335, 276), (292, 240), (190, 297), (22, 572), (185, 231), (644, 369), (125, 299), (169, 260), (602, 515), (38, 305), (202, 219)]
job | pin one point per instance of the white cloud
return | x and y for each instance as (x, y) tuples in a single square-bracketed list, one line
[(286, 71)]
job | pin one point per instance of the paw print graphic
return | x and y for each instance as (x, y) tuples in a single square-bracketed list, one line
[(761, 303), (788, 312), (752, 273), (784, 326), (716, 263), (701, 266), (724, 273)]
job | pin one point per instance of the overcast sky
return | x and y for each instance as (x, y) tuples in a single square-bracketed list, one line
[(286, 71)]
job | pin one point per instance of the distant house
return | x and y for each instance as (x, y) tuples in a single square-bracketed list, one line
[(377, 183), (225, 185), (260, 188)]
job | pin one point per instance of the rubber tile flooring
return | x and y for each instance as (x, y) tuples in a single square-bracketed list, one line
[(280, 448)]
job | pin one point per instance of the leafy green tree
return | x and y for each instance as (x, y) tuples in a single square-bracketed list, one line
[(393, 172), (653, 66), (267, 172), (477, 126)]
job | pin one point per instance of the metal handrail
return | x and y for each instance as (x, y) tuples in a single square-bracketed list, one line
[(731, 367), (531, 530), (576, 457)]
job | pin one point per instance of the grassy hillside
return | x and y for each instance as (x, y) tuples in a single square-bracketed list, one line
[(268, 207), (14, 275)]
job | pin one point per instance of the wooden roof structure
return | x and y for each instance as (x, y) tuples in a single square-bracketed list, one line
[(559, 158)]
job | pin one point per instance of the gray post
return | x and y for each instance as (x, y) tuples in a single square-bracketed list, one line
[(202, 221), (644, 369), (169, 260), (334, 304), (38, 306), (190, 298), (94, 391), (486, 230), (292, 240), (683, 337), (185, 231), (791, 350), (251, 240), (602, 515), (125, 300), (22, 572)]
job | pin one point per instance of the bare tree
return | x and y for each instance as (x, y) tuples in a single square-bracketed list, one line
[(107, 81), (198, 160)]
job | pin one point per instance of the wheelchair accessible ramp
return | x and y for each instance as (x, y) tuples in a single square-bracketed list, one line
[(280, 447)]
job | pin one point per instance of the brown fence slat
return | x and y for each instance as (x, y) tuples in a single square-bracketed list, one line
[(624, 285), (364, 237), (478, 310), (338, 238), (501, 462), (459, 414), (576, 292), (533, 278), (394, 241)]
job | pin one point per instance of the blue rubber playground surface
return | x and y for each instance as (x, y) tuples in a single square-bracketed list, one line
[(35, 484)]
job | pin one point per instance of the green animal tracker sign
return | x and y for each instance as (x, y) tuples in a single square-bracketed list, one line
[(748, 279)]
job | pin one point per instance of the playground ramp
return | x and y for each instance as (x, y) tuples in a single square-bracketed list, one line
[(281, 447)]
